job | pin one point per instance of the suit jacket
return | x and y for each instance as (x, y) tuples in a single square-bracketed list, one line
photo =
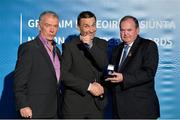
[(35, 82), (80, 67), (135, 97)]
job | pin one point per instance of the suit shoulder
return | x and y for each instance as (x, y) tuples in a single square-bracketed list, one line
[(71, 40), (70, 43), (101, 42), (27, 45), (147, 45), (148, 42)]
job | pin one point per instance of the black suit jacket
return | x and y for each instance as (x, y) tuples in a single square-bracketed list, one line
[(80, 67), (135, 97), (35, 82)]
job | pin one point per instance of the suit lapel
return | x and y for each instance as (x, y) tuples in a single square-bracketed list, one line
[(118, 56), (58, 53), (45, 55), (59, 56), (81, 48), (131, 53)]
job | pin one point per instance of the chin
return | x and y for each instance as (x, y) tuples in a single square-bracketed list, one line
[(92, 36), (51, 38)]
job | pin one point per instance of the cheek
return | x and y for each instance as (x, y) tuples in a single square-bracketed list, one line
[(56, 30), (133, 34), (94, 28), (83, 30), (46, 30), (122, 35)]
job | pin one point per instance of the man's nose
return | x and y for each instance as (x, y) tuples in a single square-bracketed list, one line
[(125, 32), (51, 29)]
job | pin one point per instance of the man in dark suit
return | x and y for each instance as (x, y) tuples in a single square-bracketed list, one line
[(37, 72), (83, 61), (136, 61)]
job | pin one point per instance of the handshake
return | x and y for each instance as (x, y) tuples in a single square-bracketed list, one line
[(96, 89)]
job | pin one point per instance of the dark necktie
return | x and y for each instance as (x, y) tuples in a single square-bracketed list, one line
[(124, 54)]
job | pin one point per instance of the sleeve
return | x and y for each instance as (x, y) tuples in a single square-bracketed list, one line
[(147, 71), (69, 79), (115, 57), (21, 76)]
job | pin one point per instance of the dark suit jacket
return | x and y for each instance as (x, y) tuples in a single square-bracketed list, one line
[(35, 82), (135, 97), (80, 67)]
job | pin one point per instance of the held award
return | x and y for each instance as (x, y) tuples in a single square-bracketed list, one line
[(110, 70)]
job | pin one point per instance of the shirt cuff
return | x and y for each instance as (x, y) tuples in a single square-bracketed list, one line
[(89, 88)]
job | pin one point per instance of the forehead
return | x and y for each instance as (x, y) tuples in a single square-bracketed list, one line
[(87, 20), (49, 16), (128, 23)]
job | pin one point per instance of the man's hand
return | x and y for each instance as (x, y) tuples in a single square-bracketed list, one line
[(26, 112), (96, 89), (86, 38), (118, 77)]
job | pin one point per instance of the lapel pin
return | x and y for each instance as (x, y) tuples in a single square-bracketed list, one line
[(130, 54)]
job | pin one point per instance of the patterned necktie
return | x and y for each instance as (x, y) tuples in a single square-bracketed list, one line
[(125, 53)]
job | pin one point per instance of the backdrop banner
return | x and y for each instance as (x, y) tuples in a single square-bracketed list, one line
[(159, 21)]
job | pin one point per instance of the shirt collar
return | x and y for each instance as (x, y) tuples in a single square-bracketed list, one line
[(89, 45), (130, 44), (44, 41)]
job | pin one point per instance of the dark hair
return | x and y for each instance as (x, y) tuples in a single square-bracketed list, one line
[(129, 17), (48, 12), (85, 14)]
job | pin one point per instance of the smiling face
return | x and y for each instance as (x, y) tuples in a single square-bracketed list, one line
[(48, 26), (128, 31), (87, 27)]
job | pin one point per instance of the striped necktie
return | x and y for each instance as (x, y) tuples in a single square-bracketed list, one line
[(125, 53)]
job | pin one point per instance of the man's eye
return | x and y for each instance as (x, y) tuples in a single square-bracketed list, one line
[(56, 26), (47, 25), (86, 26)]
